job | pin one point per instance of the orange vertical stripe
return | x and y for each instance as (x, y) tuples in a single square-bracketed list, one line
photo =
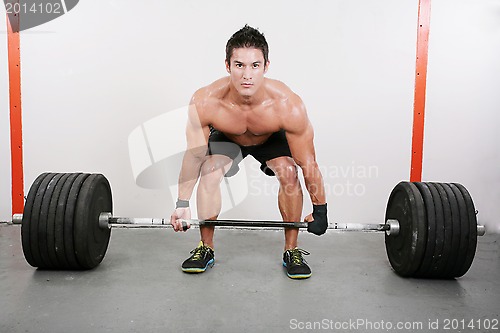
[(16, 132), (424, 16)]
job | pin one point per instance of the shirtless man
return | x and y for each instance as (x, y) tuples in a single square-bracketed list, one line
[(248, 114)]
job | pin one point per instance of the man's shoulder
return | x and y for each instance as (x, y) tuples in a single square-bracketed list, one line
[(278, 87), (289, 105), (282, 92), (286, 101), (211, 91)]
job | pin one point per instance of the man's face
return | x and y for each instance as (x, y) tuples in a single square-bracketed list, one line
[(247, 69)]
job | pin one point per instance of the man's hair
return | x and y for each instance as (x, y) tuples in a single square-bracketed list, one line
[(247, 37)]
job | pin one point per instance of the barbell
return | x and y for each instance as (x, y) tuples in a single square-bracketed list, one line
[(430, 228)]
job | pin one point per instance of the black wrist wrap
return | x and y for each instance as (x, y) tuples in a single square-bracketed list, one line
[(319, 209)]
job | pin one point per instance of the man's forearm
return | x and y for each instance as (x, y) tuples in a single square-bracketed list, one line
[(314, 183), (190, 172)]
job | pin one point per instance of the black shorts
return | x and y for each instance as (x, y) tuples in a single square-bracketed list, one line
[(275, 146)]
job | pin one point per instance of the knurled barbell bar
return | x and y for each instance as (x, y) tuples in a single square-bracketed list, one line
[(107, 220), (430, 230)]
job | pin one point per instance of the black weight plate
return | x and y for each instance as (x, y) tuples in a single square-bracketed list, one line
[(60, 220), (464, 230), (431, 230), (472, 224), (26, 221), (439, 231), (441, 272), (456, 232), (91, 242), (35, 218), (406, 250), (42, 233), (51, 223), (69, 216)]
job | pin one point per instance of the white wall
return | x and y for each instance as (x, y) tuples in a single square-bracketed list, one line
[(463, 101), (5, 177), (94, 75)]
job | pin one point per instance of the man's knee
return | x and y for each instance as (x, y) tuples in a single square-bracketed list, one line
[(213, 170), (285, 170)]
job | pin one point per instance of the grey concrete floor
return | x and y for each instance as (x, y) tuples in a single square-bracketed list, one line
[(139, 287)]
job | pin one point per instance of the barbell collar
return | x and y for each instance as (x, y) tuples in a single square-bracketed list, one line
[(104, 220), (393, 229)]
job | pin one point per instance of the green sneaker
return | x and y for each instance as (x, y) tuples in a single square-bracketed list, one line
[(296, 266), (201, 258)]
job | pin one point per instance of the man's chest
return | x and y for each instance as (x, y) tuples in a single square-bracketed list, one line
[(255, 121)]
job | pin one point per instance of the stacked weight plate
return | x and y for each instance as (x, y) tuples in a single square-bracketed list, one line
[(438, 230), (60, 228)]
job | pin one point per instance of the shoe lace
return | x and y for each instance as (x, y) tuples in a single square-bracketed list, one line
[(296, 256), (199, 252)]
